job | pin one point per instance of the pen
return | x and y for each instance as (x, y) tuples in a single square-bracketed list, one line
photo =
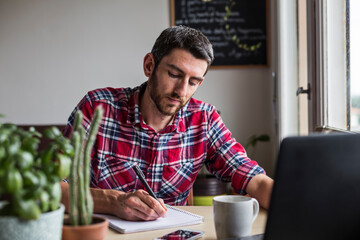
[(141, 176)]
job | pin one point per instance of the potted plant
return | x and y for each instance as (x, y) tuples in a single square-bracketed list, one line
[(254, 139), (80, 223), (206, 187), (30, 192)]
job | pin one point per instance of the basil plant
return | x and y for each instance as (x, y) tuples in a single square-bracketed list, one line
[(30, 178)]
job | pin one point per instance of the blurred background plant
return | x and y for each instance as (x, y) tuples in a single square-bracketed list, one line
[(252, 142)]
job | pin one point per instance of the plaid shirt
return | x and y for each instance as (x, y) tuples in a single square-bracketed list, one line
[(171, 158)]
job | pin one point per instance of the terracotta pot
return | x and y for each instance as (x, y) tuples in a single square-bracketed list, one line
[(97, 230)]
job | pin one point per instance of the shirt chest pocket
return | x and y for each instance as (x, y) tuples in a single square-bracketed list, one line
[(177, 178), (116, 173)]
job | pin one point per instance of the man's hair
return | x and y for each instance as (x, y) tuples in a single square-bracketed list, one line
[(185, 38)]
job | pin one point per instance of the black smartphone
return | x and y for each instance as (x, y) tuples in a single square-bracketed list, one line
[(182, 234)]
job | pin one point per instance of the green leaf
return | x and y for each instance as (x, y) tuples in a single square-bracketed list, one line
[(252, 141), (42, 178), (65, 146), (23, 159), (52, 133), (13, 181), (14, 144), (63, 167), (28, 209), (10, 126), (34, 132), (263, 138), (2, 152), (30, 179), (44, 201), (54, 191), (4, 134), (30, 144), (47, 154), (2, 175)]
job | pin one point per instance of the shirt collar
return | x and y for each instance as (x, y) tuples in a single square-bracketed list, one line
[(135, 118)]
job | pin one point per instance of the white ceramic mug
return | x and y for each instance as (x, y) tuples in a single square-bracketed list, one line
[(234, 215)]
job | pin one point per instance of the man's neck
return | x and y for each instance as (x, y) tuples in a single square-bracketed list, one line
[(151, 114)]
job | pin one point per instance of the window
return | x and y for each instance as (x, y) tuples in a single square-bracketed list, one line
[(354, 22), (333, 64)]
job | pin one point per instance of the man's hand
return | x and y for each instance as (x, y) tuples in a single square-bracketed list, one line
[(139, 205), (135, 206)]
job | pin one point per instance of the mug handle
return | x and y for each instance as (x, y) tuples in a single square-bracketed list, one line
[(255, 209)]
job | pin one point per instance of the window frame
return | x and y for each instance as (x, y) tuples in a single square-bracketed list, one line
[(327, 28)]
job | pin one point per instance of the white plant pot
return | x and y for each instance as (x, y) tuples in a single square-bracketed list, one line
[(47, 226)]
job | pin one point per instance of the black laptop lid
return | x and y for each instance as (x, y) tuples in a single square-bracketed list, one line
[(316, 193)]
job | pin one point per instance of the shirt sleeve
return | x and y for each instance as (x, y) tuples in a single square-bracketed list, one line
[(86, 107), (226, 158)]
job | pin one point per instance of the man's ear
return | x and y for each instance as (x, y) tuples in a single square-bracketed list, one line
[(149, 64)]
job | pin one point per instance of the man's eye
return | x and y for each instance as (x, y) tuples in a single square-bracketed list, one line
[(173, 75), (193, 83)]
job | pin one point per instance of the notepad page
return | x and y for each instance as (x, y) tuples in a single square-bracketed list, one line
[(175, 217)]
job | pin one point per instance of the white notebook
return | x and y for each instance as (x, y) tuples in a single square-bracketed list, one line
[(175, 217)]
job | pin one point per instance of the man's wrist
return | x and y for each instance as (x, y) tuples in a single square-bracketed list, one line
[(105, 200)]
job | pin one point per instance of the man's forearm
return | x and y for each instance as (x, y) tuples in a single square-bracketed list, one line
[(260, 188), (137, 205), (104, 199)]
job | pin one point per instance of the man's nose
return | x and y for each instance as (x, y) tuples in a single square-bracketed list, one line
[(181, 88)]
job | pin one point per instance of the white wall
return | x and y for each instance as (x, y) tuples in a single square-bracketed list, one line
[(52, 52)]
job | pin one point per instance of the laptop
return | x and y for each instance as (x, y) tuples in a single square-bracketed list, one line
[(316, 191)]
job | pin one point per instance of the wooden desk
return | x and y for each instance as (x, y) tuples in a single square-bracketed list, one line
[(207, 226)]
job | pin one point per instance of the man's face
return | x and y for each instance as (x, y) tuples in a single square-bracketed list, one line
[(175, 81)]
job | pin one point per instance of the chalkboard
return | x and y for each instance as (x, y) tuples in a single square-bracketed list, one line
[(237, 29)]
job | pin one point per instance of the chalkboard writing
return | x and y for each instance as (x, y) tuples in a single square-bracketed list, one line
[(237, 29)]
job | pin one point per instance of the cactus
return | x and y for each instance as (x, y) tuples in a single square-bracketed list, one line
[(81, 202)]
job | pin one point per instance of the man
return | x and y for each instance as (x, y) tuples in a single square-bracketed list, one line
[(170, 135)]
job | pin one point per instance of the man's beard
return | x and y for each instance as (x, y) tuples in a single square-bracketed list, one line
[(157, 97)]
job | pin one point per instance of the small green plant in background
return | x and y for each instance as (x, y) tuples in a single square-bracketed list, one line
[(30, 179), (81, 202), (253, 140)]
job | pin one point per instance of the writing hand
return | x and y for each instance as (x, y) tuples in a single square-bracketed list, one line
[(135, 206), (139, 205)]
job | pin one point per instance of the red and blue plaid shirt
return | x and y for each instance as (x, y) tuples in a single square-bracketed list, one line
[(171, 158)]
